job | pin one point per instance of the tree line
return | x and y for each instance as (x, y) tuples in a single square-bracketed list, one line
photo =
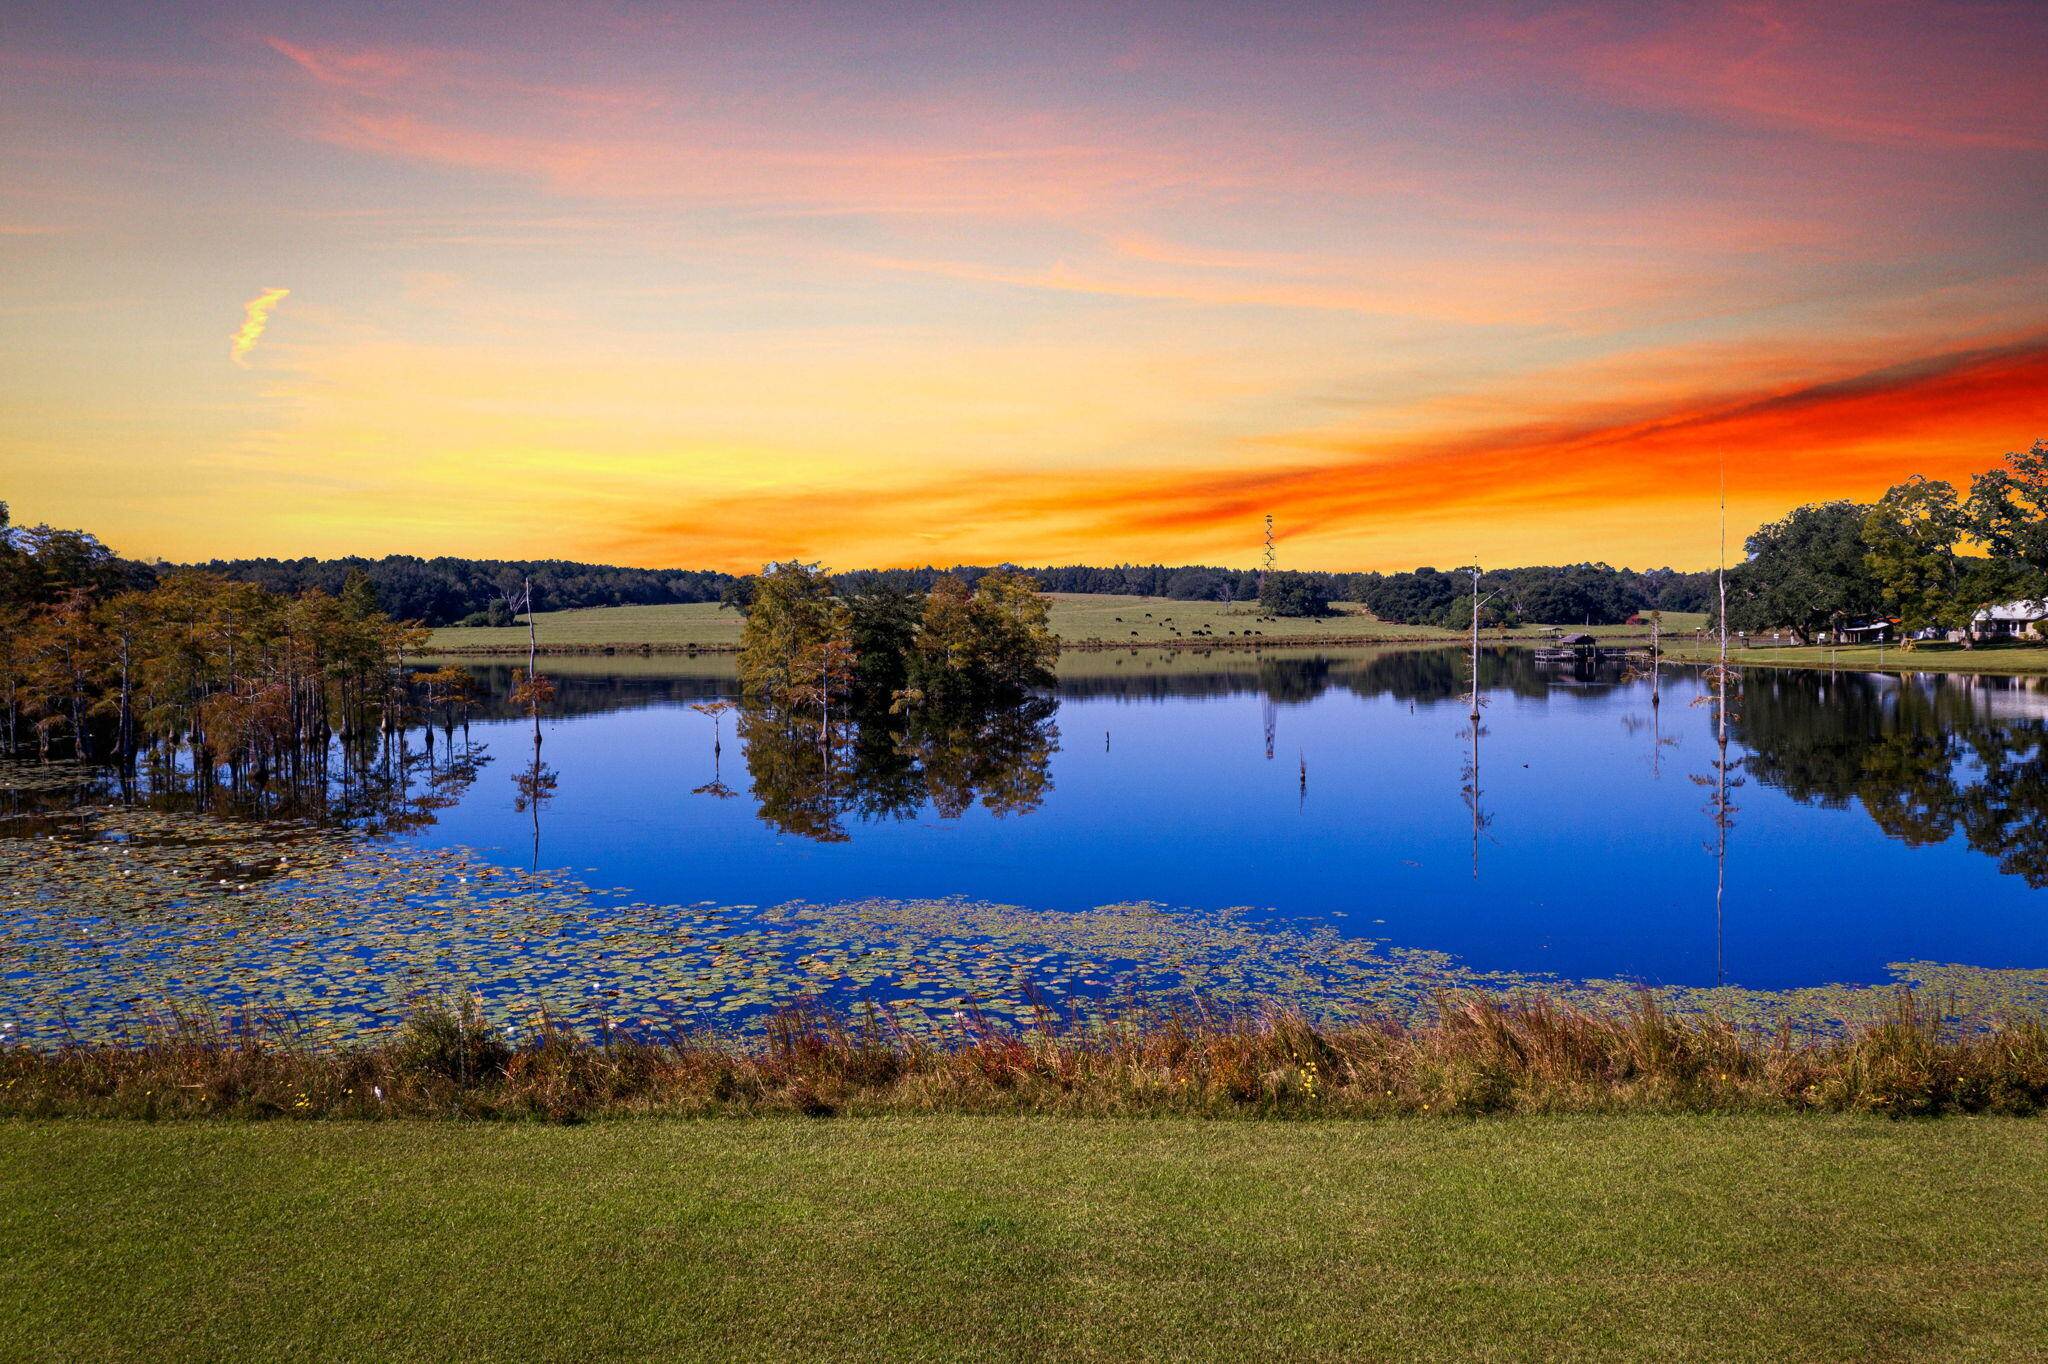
[(1926, 554), (1589, 593), (456, 591), (1566, 594), (451, 590), (98, 663)]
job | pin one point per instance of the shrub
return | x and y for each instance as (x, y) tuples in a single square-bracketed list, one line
[(458, 1047)]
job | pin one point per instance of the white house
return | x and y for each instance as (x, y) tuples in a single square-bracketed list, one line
[(2011, 620)]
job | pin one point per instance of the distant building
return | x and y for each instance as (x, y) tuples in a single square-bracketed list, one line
[(1865, 631), (2011, 620)]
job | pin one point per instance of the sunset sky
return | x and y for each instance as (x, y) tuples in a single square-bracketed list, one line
[(701, 285)]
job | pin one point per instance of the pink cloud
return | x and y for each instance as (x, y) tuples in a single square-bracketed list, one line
[(1872, 71)]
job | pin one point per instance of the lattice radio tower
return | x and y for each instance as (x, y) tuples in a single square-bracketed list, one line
[(1266, 567)]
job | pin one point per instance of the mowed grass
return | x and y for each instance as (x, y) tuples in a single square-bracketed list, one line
[(1991, 660), (702, 624), (1077, 618), (1641, 1237)]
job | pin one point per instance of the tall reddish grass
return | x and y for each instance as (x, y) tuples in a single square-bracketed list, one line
[(1476, 1053)]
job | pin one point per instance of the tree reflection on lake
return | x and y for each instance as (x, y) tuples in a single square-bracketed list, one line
[(1883, 820), (1926, 758), (809, 778), (389, 784)]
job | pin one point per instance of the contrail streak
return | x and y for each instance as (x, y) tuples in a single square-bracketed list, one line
[(255, 317)]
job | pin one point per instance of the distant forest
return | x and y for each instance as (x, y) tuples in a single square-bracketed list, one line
[(452, 591)]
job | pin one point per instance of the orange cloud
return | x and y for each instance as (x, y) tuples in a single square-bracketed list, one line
[(1945, 416), (255, 317), (1537, 490)]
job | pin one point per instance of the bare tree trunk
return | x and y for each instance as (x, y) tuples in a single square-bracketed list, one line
[(1475, 645), (533, 682), (126, 737), (1656, 660)]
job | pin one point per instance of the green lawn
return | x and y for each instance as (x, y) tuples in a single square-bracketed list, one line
[(1930, 658), (937, 1238), (704, 624), (1076, 617)]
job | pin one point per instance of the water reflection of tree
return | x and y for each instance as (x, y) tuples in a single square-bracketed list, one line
[(1925, 758), (533, 787), (597, 693), (381, 783), (2005, 812), (1469, 789), (717, 711), (1722, 694), (1431, 676), (809, 779)]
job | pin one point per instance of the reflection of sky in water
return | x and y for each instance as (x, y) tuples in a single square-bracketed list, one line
[(1591, 865)]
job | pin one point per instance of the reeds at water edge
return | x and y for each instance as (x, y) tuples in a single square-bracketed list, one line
[(1476, 1053)]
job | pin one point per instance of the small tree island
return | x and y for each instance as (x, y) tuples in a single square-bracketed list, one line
[(806, 647)]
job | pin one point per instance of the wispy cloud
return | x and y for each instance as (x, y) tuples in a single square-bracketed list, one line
[(255, 317), (1051, 280), (1959, 86)]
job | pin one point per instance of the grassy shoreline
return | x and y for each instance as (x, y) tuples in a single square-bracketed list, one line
[(1083, 622), (1984, 660), (997, 1238), (509, 650), (1475, 1053)]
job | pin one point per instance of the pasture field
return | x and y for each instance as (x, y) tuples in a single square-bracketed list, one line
[(1081, 618), (1611, 1237), (704, 625), (1078, 619)]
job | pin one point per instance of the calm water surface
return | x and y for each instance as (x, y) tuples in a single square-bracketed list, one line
[(1869, 819)]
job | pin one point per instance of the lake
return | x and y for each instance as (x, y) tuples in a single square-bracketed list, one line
[(1323, 829), (1873, 819)]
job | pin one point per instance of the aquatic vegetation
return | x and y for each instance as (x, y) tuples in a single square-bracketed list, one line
[(113, 917), (110, 913)]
